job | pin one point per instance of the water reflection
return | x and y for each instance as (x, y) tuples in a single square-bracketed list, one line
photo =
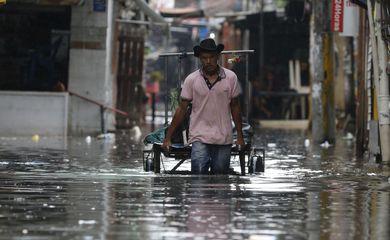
[(97, 190)]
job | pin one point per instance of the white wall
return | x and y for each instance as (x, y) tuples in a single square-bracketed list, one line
[(28, 113)]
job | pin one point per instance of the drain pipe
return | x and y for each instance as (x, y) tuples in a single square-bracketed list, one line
[(107, 120)]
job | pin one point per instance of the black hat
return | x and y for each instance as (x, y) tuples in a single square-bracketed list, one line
[(207, 45)]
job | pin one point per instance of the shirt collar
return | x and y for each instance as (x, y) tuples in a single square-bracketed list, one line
[(221, 73)]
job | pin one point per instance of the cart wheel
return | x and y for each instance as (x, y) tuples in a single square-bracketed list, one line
[(256, 162), (260, 164), (156, 158), (148, 164), (242, 162), (250, 165), (147, 160)]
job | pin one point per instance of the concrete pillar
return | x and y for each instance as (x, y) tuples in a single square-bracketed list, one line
[(90, 71), (316, 73), (321, 73), (383, 90), (381, 79)]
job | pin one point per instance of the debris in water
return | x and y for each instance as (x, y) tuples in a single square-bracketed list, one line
[(325, 144), (35, 138), (307, 143), (348, 136), (135, 133), (82, 222), (88, 139), (108, 136), (271, 145)]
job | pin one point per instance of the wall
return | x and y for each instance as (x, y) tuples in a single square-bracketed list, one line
[(340, 45), (28, 113), (89, 76)]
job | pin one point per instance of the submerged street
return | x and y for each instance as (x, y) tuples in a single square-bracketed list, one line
[(311, 77), (81, 188)]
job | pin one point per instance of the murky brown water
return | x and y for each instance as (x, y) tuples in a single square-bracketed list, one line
[(78, 190)]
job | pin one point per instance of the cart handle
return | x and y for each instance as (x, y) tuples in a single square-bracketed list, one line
[(192, 53)]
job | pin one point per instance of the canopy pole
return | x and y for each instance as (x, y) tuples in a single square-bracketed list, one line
[(247, 88), (166, 91)]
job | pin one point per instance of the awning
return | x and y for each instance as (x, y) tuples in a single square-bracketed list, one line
[(155, 17), (50, 2), (188, 12), (206, 8), (362, 3)]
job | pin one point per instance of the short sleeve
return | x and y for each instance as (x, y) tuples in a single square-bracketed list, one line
[(186, 90), (236, 89)]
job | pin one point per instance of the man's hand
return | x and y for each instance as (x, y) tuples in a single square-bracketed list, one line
[(166, 144), (236, 115), (176, 121), (240, 143)]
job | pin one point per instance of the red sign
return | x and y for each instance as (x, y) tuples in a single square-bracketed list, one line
[(337, 15)]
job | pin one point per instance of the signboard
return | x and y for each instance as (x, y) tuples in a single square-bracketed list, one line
[(337, 18), (351, 19), (99, 5), (345, 18)]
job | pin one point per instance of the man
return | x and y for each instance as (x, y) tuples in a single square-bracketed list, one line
[(214, 93)]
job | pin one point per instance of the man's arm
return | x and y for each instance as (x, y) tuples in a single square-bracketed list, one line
[(237, 119), (178, 117)]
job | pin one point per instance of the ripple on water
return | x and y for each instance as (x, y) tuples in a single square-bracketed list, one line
[(86, 190)]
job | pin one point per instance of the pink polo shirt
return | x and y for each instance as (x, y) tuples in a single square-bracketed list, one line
[(211, 115)]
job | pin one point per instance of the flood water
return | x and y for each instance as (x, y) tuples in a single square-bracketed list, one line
[(76, 189)]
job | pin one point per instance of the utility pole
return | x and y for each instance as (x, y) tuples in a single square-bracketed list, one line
[(383, 88), (321, 71), (381, 78), (362, 99), (261, 44)]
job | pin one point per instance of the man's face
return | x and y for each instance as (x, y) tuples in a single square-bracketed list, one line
[(209, 62)]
